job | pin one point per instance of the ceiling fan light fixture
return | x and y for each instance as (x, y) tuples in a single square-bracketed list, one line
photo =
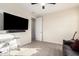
[(43, 7)]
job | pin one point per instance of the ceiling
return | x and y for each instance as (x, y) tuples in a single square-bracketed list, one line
[(49, 8)]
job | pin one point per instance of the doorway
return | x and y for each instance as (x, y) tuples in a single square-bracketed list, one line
[(37, 29), (33, 29)]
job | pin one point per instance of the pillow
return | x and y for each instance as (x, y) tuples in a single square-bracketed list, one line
[(75, 45), (1, 45)]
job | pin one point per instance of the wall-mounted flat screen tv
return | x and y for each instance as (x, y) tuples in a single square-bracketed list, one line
[(12, 22)]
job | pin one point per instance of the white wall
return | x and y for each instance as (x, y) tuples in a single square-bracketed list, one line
[(60, 25), (77, 35), (19, 9)]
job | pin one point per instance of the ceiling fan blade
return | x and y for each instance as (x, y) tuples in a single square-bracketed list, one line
[(34, 3), (52, 3)]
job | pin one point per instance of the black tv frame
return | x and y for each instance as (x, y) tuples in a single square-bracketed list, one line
[(13, 31)]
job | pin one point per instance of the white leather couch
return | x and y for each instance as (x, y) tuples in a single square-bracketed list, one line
[(7, 43)]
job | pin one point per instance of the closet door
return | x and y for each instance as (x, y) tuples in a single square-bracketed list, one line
[(38, 29)]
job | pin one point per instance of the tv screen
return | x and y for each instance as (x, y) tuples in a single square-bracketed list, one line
[(12, 22)]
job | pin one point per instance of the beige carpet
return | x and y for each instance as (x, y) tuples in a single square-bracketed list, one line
[(38, 48)]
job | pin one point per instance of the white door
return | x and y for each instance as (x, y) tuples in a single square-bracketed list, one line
[(38, 29)]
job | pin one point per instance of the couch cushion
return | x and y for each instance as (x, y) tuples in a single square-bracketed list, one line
[(69, 52), (75, 45)]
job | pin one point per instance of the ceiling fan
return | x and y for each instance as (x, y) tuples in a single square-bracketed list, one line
[(43, 4)]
